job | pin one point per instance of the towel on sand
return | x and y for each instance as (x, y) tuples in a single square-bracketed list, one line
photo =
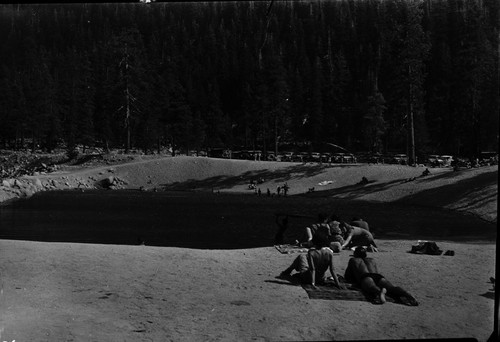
[(289, 249), (329, 291)]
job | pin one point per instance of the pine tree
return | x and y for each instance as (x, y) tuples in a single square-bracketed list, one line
[(374, 125)]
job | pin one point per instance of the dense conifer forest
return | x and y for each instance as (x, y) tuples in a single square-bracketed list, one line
[(247, 75)]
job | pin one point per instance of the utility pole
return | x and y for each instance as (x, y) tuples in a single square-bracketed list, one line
[(127, 101), (127, 117), (411, 160), (276, 136)]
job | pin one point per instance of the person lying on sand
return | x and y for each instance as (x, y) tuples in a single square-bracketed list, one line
[(363, 272), (356, 236), (312, 267)]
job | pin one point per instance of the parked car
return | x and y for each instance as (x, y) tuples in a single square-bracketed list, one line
[(271, 156), (315, 157), (447, 160), (254, 155), (220, 153), (297, 157), (488, 158), (237, 155), (434, 160), (304, 157), (325, 157), (285, 156), (348, 158), (368, 157), (459, 162), (338, 157), (196, 153), (400, 158), (376, 158)]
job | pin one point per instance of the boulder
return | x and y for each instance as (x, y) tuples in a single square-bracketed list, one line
[(107, 182), (6, 183), (38, 183), (26, 193)]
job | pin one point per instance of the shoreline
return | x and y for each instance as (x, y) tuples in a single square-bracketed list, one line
[(252, 226), (8, 201)]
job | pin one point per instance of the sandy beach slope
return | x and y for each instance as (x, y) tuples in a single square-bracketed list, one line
[(88, 292)]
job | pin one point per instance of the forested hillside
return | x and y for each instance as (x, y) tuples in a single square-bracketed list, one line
[(246, 74)]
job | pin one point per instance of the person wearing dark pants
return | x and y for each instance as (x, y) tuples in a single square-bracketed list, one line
[(363, 272)]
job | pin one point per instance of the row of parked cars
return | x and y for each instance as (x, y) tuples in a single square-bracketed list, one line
[(432, 160), (485, 158), (302, 157)]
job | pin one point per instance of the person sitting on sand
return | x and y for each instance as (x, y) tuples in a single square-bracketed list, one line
[(327, 229), (363, 181), (312, 267), (336, 237), (317, 232), (356, 236), (359, 222), (363, 272)]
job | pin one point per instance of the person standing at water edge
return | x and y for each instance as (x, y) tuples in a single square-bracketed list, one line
[(363, 272), (283, 226)]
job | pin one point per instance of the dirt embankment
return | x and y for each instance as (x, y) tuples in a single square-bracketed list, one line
[(473, 191)]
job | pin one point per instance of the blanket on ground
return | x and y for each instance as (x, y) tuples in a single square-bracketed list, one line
[(331, 292), (289, 249)]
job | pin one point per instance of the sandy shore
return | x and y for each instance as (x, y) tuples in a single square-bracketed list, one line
[(84, 292)]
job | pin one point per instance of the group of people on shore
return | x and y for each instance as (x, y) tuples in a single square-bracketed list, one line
[(338, 234), (331, 235), (280, 189)]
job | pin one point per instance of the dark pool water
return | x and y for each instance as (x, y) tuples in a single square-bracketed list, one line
[(213, 221)]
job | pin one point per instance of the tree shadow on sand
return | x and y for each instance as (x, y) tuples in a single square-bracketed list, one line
[(351, 192), (447, 194), (293, 172), (436, 197)]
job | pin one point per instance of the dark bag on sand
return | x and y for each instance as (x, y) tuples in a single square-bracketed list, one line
[(426, 247)]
